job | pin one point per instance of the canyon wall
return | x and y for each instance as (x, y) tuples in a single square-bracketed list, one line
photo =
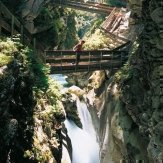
[(131, 124)]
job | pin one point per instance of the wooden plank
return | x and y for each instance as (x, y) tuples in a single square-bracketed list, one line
[(84, 52), (17, 23), (81, 6), (84, 58), (5, 11), (7, 27), (81, 69), (22, 33), (103, 63), (13, 26), (100, 6), (9, 15), (97, 6)]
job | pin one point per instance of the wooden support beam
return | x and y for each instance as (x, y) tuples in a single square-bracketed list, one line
[(5, 25), (34, 45), (82, 68), (94, 8), (12, 25)]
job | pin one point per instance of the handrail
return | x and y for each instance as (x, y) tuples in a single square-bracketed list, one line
[(94, 7), (12, 25), (89, 61)]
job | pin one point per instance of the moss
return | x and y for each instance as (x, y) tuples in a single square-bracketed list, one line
[(125, 73)]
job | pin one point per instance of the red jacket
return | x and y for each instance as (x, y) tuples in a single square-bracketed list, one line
[(78, 47)]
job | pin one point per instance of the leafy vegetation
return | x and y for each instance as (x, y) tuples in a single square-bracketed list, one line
[(62, 31), (127, 71), (30, 105)]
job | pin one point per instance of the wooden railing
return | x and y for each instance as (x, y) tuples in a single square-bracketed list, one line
[(10, 26), (89, 7), (67, 61)]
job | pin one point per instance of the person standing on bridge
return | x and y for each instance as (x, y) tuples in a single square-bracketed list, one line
[(77, 48)]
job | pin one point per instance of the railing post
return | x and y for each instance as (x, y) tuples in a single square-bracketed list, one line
[(100, 60), (112, 61), (76, 54), (89, 60), (22, 34), (61, 61), (34, 45), (12, 26), (44, 56)]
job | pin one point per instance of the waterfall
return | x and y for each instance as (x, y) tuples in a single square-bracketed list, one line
[(85, 118), (85, 148), (84, 145)]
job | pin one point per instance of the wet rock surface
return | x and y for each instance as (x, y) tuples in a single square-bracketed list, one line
[(133, 113)]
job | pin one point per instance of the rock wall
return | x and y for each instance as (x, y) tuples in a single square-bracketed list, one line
[(30, 108), (134, 103), (129, 104)]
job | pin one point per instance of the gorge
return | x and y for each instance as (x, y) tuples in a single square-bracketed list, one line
[(103, 116)]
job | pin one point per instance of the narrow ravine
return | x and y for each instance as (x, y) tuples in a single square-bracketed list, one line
[(84, 141), (111, 115)]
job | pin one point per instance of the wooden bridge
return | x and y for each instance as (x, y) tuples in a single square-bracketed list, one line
[(65, 61), (85, 6)]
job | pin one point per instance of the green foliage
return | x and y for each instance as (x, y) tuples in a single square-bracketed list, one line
[(86, 23), (71, 33), (7, 50), (124, 74), (97, 40), (29, 95), (61, 33), (39, 72), (94, 25), (4, 60)]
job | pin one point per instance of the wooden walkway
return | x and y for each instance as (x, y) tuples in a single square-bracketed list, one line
[(85, 6), (10, 26), (65, 61)]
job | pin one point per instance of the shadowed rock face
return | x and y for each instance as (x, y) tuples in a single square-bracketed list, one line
[(70, 106), (29, 127), (29, 11), (133, 111)]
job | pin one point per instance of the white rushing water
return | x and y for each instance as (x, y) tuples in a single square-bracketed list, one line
[(85, 147), (85, 118), (60, 78)]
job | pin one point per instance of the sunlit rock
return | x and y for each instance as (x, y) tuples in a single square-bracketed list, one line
[(76, 90)]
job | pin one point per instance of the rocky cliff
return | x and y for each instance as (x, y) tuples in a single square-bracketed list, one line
[(30, 108), (131, 121)]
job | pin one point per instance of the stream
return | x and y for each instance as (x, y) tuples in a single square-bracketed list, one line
[(85, 148)]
